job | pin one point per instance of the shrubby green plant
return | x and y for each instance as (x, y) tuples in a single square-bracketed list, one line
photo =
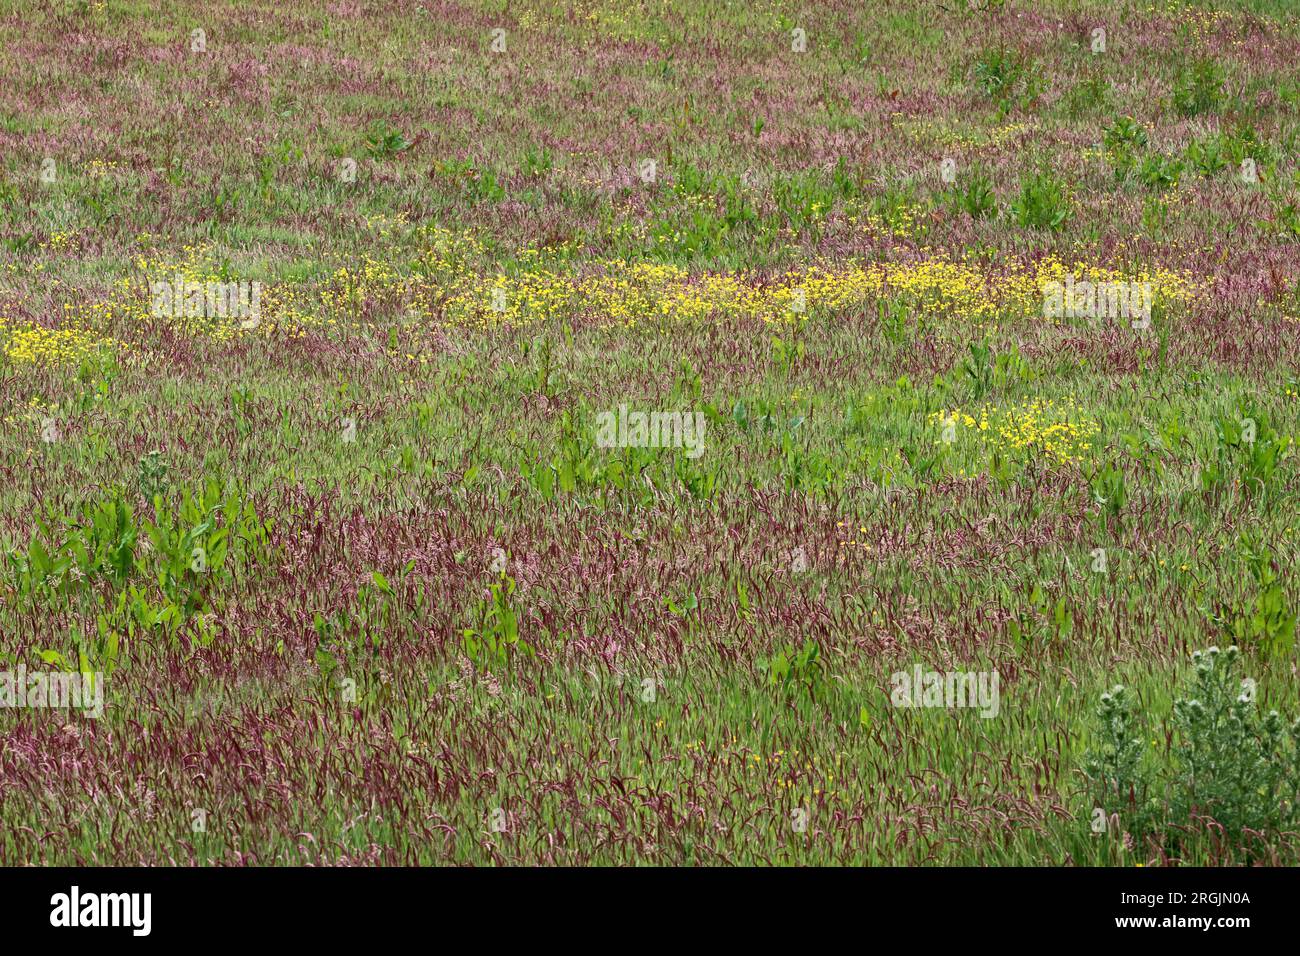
[(153, 475), (1123, 140), (1232, 773), (132, 574), (1005, 77), (1200, 90)]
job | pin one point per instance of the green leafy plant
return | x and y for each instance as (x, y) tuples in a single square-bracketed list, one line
[(1207, 156), (1042, 203), (978, 369), (1249, 446), (68, 555), (976, 198), (1125, 131), (899, 207), (494, 637), (1109, 489), (384, 141), (1159, 172), (1286, 220), (1086, 96), (1265, 619), (1040, 618), (795, 670), (895, 316)]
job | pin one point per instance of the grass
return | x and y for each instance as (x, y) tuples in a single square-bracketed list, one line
[(362, 580)]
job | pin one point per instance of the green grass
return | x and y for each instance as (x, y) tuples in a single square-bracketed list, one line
[(435, 622)]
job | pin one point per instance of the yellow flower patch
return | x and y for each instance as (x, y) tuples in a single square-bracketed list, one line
[(36, 344), (1060, 434)]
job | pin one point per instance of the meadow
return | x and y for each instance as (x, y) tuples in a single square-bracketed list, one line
[(378, 565)]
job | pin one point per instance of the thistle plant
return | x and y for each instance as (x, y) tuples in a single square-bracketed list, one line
[(1235, 766), (1114, 765), (1232, 770)]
